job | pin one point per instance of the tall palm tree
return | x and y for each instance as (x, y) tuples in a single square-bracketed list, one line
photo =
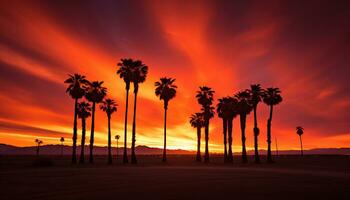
[(244, 107), (139, 74), (271, 97), (38, 143), (109, 107), (125, 73), (84, 111), (256, 93), (197, 121), (95, 93), (232, 104), (223, 111), (205, 97), (117, 137), (62, 141), (76, 89), (165, 90), (300, 132)]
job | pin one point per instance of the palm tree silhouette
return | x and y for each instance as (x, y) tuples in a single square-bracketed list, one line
[(197, 121), (109, 107), (300, 132), (76, 89), (117, 138), (271, 97), (232, 105), (139, 74), (125, 73), (244, 107), (95, 93), (205, 97), (62, 141), (84, 111), (165, 90), (38, 143), (223, 111), (256, 93)]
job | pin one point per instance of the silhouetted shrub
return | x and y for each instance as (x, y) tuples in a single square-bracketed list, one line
[(43, 162)]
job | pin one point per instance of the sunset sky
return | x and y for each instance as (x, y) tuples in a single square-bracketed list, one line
[(302, 47)]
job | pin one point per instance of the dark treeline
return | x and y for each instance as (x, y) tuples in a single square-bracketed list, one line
[(134, 72)]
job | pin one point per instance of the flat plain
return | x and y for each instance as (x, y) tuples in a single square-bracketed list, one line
[(291, 177)]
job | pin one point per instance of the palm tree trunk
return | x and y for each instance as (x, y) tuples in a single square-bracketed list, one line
[(198, 157), (91, 158), (224, 124), (133, 155), (244, 151), (125, 155), (75, 133), (256, 134), (229, 129), (269, 155), (165, 113), (82, 147), (301, 146), (206, 154), (109, 141)]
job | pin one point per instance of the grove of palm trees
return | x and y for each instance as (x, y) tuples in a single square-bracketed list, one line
[(134, 72)]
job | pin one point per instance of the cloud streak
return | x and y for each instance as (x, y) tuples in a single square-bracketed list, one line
[(300, 47)]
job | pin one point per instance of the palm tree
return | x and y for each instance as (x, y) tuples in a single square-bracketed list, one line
[(256, 93), (232, 104), (205, 97), (271, 97), (117, 138), (223, 112), (165, 90), (62, 141), (125, 73), (95, 93), (197, 121), (76, 89), (84, 111), (244, 107), (300, 132), (109, 107), (139, 74), (38, 143)]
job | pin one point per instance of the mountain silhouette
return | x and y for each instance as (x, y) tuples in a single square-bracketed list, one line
[(145, 150)]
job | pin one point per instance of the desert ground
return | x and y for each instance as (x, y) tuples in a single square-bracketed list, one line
[(291, 177)]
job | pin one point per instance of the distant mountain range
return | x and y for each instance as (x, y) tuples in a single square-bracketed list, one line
[(145, 150), (67, 150)]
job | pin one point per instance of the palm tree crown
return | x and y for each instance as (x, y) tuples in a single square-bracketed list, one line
[(244, 105), (108, 106), (62, 139), (205, 96), (226, 108), (139, 73), (300, 130), (84, 110), (256, 93), (165, 89), (77, 84), (125, 70), (197, 120), (272, 96), (95, 92)]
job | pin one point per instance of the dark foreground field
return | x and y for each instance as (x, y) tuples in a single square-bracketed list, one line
[(312, 177)]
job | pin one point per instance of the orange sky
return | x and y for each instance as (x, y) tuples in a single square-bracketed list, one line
[(302, 48)]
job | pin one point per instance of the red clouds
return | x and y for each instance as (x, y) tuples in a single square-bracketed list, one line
[(300, 47)]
